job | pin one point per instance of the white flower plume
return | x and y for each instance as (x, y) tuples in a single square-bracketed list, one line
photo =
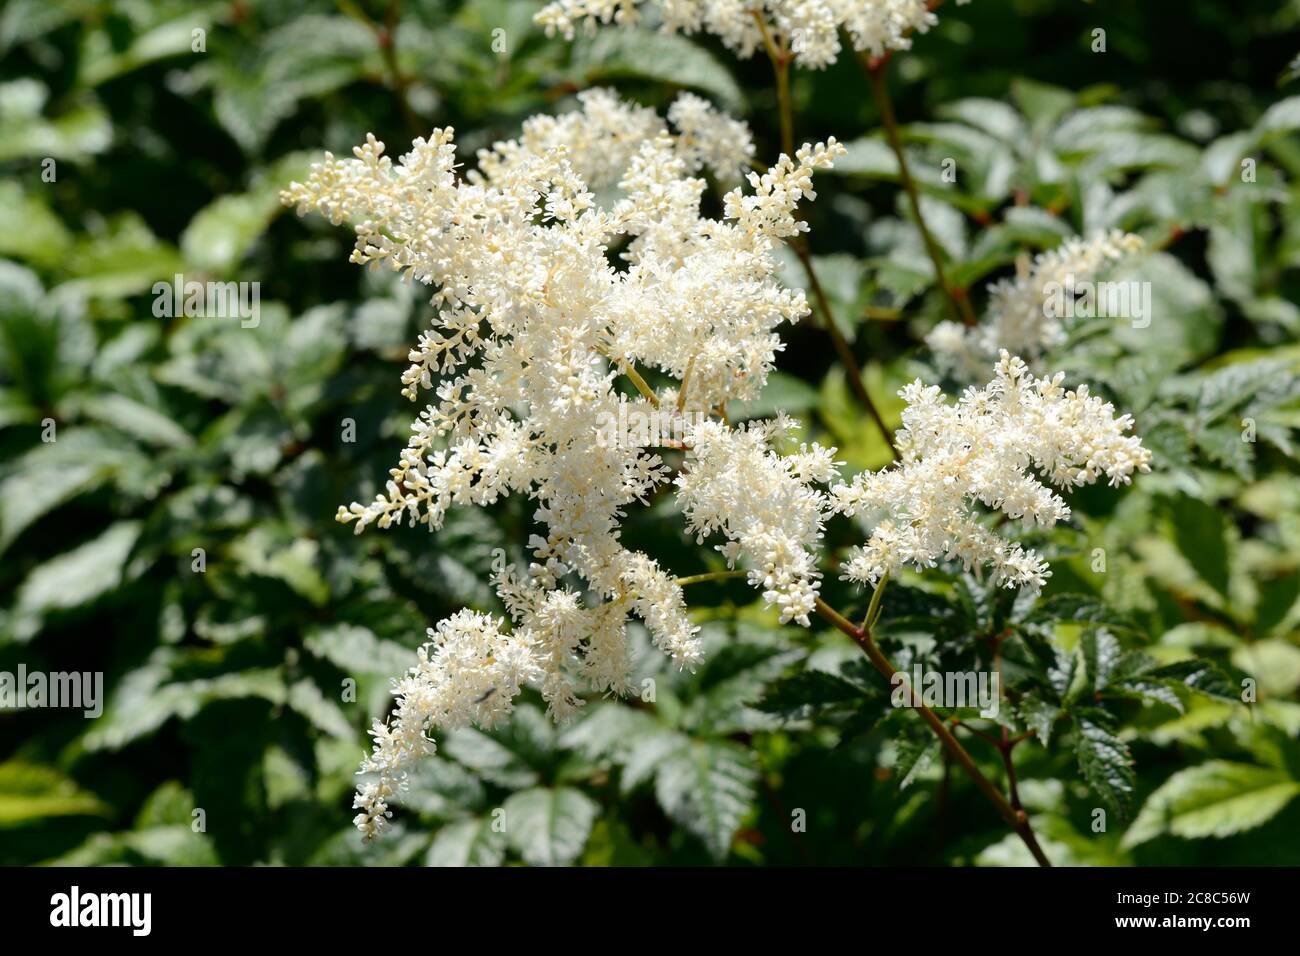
[(808, 29), (534, 326), (985, 453), (1023, 314)]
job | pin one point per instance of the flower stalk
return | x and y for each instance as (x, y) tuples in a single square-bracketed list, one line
[(874, 68), (781, 59), (1015, 818)]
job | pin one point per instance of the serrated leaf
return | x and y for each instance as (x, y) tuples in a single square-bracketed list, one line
[(1105, 763), (324, 714), (474, 842), (1200, 532), (490, 758), (1039, 715), (30, 792), (914, 754), (79, 576), (1214, 799), (807, 692), (549, 827), (1101, 652), (1081, 609), (1201, 676), (357, 650), (708, 787), (670, 58), (607, 729)]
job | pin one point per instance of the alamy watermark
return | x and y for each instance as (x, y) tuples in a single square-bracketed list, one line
[(647, 428), (77, 690), (1085, 299), (212, 300), (75, 908), (980, 689)]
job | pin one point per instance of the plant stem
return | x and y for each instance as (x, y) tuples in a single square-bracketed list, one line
[(1005, 748), (875, 71), (873, 609), (686, 381), (628, 368), (781, 59), (641, 385), (708, 576), (852, 372), (1018, 820), (386, 37)]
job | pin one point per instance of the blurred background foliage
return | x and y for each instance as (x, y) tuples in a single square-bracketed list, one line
[(227, 687)]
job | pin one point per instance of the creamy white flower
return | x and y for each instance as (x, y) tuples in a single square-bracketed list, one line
[(534, 326), (1024, 314), (808, 29), (470, 671), (765, 504), (601, 138), (990, 452)]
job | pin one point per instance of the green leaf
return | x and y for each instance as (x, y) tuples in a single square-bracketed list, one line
[(1274, 663), (490, 758), (1201, 676), (76, 577), (667, 58), (324, 714), (1214, 799), (1041, 103), (1105, 762), (123, 258), (221, 233), (474, 842), (915, 752), (80, 130), (43, 482), (1101, 653), (605, 730), (100, 62), (438, 787), (148, 697), (173, 845), (807, 692), (1280, 119), (730, 681), (1039, 714), (30, 792), (708, 787), (294, 561), (136, 419), (306, 57), (549, 827), (995, 117), (357, 650), (1201, 532), (1079, 609), (867, 156), (22, 21), (783, 393), (29, 230)]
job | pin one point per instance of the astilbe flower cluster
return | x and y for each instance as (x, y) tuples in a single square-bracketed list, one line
[(534, 326), (1023, 314), (808, 29), (985, 453), (766, 505)]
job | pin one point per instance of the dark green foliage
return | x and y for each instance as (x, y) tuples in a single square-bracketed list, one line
[(178, 533)]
